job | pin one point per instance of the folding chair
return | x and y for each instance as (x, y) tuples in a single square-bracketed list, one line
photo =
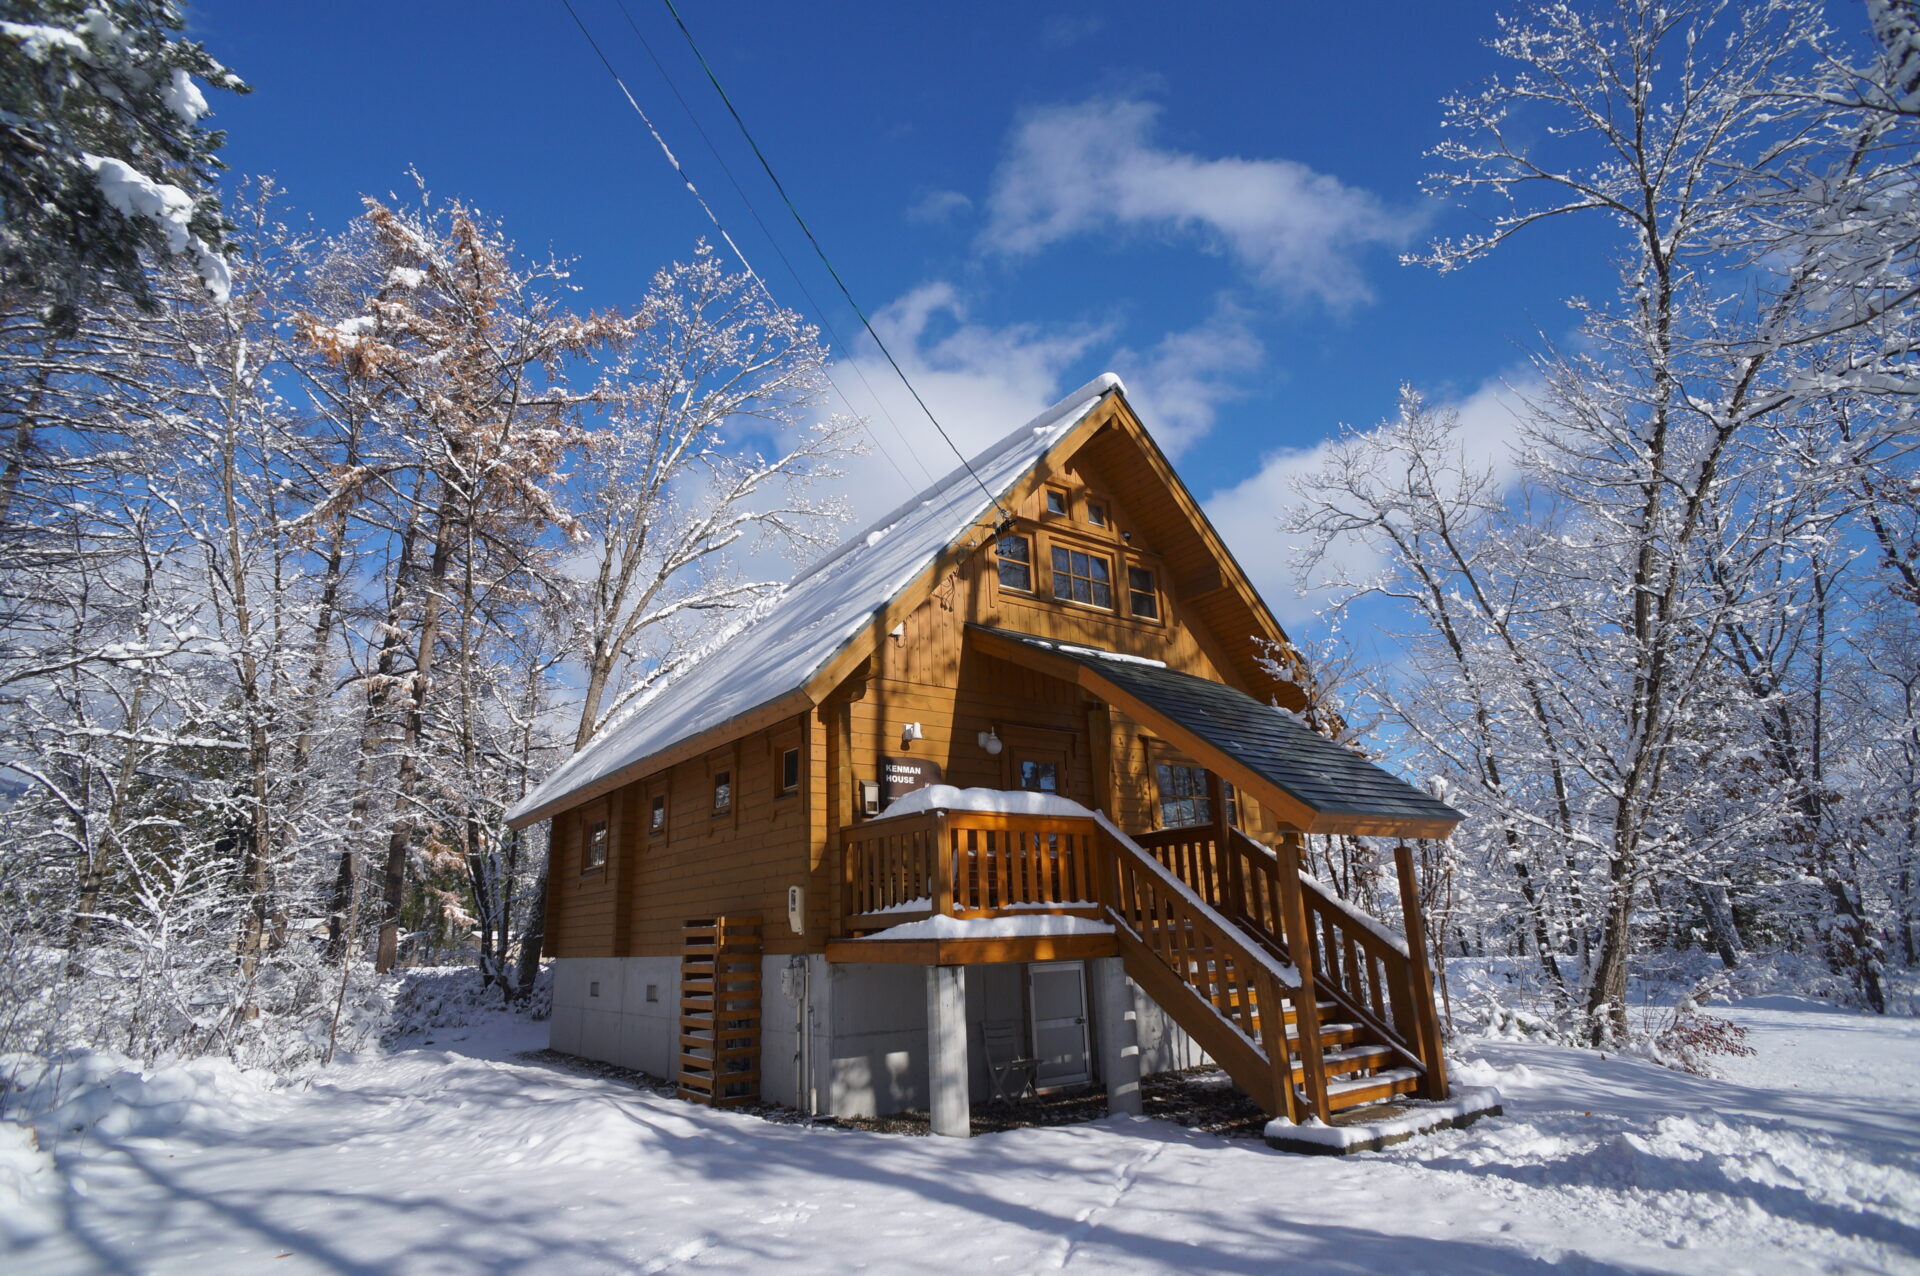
[(1005, 1064)]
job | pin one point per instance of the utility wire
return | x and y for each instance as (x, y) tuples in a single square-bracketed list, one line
[(822, 254), (694, 190), (753, 212)]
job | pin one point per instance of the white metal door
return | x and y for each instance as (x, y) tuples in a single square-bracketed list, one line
[(1057, 994)]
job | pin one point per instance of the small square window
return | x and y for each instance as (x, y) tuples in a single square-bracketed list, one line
[(653, 992), (1096, 513), (722, 792), (790, 770), (1015, 555), (657, 816), (1143, 600), (596, 851), (1056, 501)]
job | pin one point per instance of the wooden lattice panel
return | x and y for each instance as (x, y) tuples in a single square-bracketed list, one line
[(719, 1056)]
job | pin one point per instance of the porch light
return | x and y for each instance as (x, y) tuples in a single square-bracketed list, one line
[(990, 741)]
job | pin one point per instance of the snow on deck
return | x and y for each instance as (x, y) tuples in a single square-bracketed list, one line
[(1032, 926), (793, 634), (460, 1156), (937, 797)]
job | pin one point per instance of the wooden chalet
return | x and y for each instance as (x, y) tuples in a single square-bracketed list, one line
[(737, 901)]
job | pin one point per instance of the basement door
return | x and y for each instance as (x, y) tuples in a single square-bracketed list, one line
[(1057, 994)]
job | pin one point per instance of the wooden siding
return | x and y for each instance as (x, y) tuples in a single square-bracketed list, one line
[(744, 861)]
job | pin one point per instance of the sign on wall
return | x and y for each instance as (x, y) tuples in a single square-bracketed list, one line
[(900, 776)]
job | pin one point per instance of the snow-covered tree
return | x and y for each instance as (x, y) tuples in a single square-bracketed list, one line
[(105, 163)]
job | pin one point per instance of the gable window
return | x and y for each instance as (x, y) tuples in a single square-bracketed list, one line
[(1096, 513), (1143, 600), (722, 792), (1015, 555), (657, 816), (595, 855), (1056, 501), (790, 771), (1183, 796), (1082, 578)]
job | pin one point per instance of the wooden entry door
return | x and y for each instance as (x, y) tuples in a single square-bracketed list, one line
[(1057, 996)]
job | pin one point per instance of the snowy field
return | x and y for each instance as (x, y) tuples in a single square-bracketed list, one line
[(455, 1157)]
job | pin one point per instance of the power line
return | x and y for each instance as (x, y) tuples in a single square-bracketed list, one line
[(694, 190), (753, 212), (822, 253)]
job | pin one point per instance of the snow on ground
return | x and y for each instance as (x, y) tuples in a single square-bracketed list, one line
[(457, 1156)]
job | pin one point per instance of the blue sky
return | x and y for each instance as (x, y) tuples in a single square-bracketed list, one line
[(1209, 200)]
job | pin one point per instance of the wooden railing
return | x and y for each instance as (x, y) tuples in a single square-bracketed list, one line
[(1179, 949), (1374, 978), (966, 864)]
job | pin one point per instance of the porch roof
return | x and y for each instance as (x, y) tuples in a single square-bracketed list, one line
[(1308, 781)]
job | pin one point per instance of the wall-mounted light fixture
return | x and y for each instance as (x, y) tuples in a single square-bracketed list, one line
[(990, 741), (910, 733)]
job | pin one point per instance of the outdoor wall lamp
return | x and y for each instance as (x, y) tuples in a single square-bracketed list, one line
[(990, 741)]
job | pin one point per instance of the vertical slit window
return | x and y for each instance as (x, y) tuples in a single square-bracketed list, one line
[(1143, 600), (722, 792), (790, 770), (596, 850)]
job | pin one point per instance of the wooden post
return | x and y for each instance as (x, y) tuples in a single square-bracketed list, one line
[(840, 805), (948, 1097), (945, 865), (1433, 1052), (1300, 949), (1273, 1027)]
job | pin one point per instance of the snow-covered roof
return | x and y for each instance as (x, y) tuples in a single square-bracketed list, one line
[(785, 642)]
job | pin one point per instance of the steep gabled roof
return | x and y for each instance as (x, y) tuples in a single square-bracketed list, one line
[(758, 672)]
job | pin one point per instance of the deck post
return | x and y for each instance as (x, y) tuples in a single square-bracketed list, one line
[(1433, 1049), (1119, 1036), (948, 1097)]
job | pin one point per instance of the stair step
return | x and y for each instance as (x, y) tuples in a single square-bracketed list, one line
[(1344, 1062), (1381, 1085)]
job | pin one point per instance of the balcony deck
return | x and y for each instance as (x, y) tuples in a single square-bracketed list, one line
[(963, 887)]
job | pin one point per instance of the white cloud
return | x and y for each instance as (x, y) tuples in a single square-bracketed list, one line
[(1249, 513), (936, 207), (1096, 166), (1179, 384), (980, 381)]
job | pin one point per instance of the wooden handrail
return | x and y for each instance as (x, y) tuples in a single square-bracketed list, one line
[(967, 864), (1432, 1045), (1177, 948), (1369, 975)]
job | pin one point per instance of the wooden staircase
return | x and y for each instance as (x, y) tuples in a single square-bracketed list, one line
[(1209, 923), (719, 1055)]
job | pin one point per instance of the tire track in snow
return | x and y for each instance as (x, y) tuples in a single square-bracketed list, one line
[(1087, 1219)]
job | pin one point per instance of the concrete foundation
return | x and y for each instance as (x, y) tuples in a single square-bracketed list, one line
[(850, 1039)]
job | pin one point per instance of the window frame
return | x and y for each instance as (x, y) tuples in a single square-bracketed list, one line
[(1105, 521), (781, 787), (722, 779), (1000, 563), (597, 815), (1091, 555), (1049, 495), (1157, 615), (657, 805), (1198, 800)]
